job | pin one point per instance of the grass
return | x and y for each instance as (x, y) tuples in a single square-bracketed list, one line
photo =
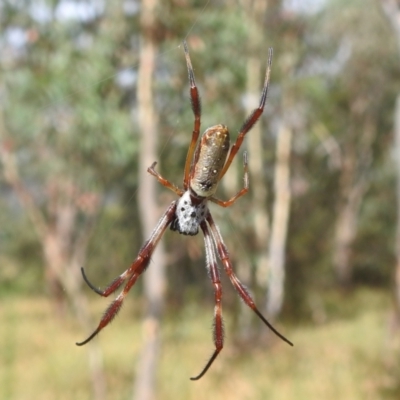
[(344, 358)]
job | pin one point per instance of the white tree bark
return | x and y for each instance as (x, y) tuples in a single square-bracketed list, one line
[(280, 221), (397, 160), (392, 11), (64, 243), (254, 13), (154, 278)]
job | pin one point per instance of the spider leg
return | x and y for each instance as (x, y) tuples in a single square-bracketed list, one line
[(252, 119), (244, 294), (116, 305), (218, 328), (132, 273), (196, 107), (114, 285), (164, 181), (241, 192)]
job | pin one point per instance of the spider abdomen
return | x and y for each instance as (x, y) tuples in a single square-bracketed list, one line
[(209, 160), (189, 215)]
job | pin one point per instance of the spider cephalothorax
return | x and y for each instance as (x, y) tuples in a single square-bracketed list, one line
[(206, 163), (190, 213)]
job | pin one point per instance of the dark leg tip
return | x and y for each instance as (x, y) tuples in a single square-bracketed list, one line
[(85, 278), (89, 338)]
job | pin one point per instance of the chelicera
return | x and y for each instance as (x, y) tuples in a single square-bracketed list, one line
[(207, 161)]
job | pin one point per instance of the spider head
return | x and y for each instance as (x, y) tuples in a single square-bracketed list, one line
[(189, 215)]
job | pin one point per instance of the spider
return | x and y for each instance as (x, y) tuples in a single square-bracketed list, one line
[(206, 164)]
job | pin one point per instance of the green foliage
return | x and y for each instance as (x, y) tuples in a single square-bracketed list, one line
[(345, 353), (20, 256), (68, 117), (62, 100)]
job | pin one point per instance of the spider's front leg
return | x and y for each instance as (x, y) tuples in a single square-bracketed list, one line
[(131, 274), (196, 108), (252, 119)]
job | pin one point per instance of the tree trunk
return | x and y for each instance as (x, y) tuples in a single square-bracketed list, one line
[(352, 187), (154, 278), (280, 221), (270, 240), (397, 159), (345, 233), (392, 11), (64, 272), (64, 250), (253, 13), (257, 176)]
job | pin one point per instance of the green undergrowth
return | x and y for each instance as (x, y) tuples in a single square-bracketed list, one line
[(347, 354)]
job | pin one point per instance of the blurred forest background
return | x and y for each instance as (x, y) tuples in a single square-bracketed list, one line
[(92, 92)]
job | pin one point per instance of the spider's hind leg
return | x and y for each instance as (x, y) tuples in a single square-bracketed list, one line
[(114, 285), (218, 329), (240, 288), (115, 306), (131, 274)]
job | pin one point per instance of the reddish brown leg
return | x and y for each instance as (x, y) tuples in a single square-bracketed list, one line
[(252, 119), (241, 192), (132, 273), (215, 278), (196, 107), (244, 294), (164, 181)]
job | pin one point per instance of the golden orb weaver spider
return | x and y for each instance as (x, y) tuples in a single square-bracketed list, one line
[(206, 164)]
